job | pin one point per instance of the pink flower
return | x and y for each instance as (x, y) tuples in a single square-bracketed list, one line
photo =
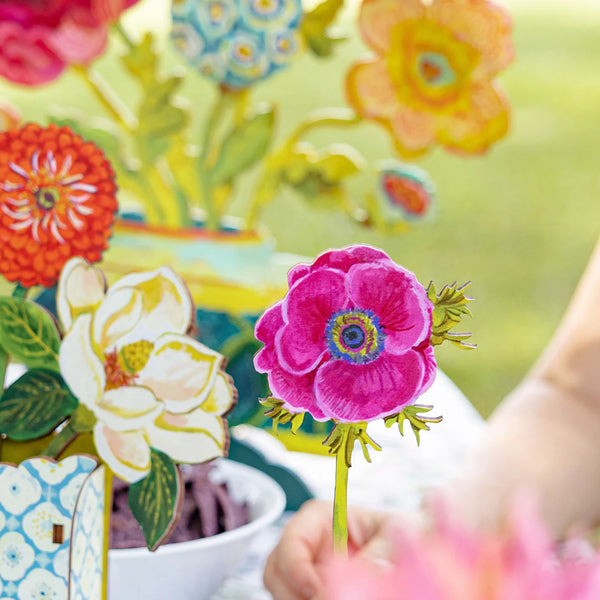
[(450, 562), (39, 39), (350, 341)]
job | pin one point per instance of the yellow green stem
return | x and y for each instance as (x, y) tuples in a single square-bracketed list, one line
[(340, 502), (60, 441)]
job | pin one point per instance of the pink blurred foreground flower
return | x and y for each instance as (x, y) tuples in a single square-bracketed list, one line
[(39, 39), (350, 341), (453, 563)]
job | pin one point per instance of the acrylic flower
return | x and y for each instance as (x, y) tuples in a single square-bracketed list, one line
[(127, 358), (431, 77), (453, 563), (237, 42), (406, 189), (39, 39), (57, 200), (350, 341)]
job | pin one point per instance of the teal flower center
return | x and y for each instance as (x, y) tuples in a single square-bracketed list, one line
[(435, 69), (355, 336)]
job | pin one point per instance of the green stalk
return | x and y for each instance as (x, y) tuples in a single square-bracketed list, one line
[(3, 367), (340, 502), (60, 441)]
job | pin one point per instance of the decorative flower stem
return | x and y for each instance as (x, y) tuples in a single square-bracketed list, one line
[(3, 367), (107, 97), (60, 441), (268, 182), (340, 502)]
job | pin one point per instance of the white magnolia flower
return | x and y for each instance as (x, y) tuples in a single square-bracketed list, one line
[(42, 585), (37, 524), (18, 489), (16, 556), (127, 358)]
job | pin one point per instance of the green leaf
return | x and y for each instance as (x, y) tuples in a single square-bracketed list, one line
[(245, 145), (315, 25), (35, 404), (141, 59), (28, 333), (155, 501)]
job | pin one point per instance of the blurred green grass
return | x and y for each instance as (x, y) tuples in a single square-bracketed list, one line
[(519, 222)]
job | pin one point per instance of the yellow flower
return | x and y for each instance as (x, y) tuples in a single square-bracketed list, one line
[(127, 358), (431, 77)]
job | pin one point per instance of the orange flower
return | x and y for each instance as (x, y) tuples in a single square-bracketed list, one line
[(57, 200), (431, 78)]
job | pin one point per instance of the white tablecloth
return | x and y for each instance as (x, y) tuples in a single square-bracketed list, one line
[(396, 479)]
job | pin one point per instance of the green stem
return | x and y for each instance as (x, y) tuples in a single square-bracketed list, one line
[(266, 188), (20, 291), (340, 502), (124, 35), (107, 97), (3, 367), (60, 441)]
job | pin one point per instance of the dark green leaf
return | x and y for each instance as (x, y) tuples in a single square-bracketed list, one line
[(155, 500), (246, 144), (35, 404), (28, 333)]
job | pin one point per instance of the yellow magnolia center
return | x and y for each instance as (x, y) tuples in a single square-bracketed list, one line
[(121, 368)]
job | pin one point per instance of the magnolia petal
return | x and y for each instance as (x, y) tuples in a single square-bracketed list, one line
[(483, 25), (371, 91), (486, 122), (125, 452), (181, 372), (80, 367), (194, 437), (117, 316), (222, 396), (80, 289), (127, 408), (378, 18), (167, 305)]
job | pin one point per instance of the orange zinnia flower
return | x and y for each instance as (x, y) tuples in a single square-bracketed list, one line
[(57, 200), (431, 77)]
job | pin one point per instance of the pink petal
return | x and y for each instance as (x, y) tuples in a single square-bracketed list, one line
[(301, 344), (397, 298), (75, 44), (265, 331), (371, 91), (297, 391), (349, 392), (341, 260)]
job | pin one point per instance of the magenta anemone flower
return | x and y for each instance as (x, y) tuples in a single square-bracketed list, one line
[(351, 339)]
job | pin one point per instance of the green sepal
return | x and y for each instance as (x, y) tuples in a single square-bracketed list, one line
[(245, 145), (35, 404), (28, 333), (315, 26), (280, 415), (417, 421), (450, 306), (155, 501), (343, 436)]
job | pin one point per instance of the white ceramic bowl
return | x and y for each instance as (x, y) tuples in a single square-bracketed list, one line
[(195, 570)]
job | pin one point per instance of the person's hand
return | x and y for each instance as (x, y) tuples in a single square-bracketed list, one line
[(294, 568)]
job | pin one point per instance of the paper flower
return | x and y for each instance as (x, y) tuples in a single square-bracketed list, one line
[(39, 39), (126, 357), (406, 189), (431, 77), (451, 562), (350, 341), (57, 199), (237, 42)]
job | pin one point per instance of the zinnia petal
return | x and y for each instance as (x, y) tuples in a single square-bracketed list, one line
[(127, 408), (379, 17), (193, 437), (181, 372), (485, 123), (301, 344), (125, 452), (80, 367), (350, 392), (80, 289), (397, 298)]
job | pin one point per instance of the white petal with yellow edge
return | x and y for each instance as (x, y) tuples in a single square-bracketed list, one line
[(80, 289), (222, 396), (194, 437), (181, 372), (127, 408), (79, 365), (117, 316), (125, 452)]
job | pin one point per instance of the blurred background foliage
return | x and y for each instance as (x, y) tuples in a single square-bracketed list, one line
[(519, 222)]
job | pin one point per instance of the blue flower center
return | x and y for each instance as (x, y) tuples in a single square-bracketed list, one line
[(355, 335)]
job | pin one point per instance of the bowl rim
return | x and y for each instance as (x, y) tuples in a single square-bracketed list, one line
[(229, 468)]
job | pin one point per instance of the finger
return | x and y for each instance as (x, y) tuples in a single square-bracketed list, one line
[(278, 586)]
